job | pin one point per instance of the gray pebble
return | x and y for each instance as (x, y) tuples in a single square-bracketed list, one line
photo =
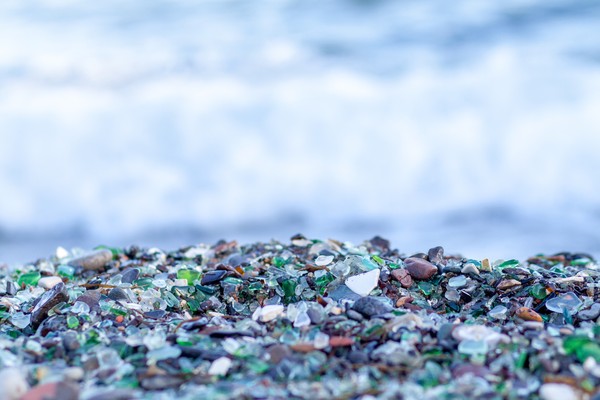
[(371, 306), (130, 275), (93, 261), (51, 298), (591, 313)]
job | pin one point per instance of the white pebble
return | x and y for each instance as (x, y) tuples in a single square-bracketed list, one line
[(14, 385), (220, 366), (558, 391), (323, 260), (363, 284), (48, 282), (269, 313)]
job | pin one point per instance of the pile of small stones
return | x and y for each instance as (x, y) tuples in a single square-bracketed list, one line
[(315, 319)]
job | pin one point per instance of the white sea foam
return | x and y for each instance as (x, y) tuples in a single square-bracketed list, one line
[(412, 118)]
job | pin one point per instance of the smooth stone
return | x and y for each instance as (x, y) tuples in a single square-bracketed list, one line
[(358, 357), (93, 261), (508, 284), (74, 374), (130, 275), (53, 391), (527, 314), (91, 298), (155, 314), (212, 277), (278, 353), (13, 384), (363, 284), (558, 391), (479, 333), (436, 255), (419, 268), (316, 316), (469, 269), (269, 313), (343, 292), (321, 261), (220, 366), (48, 282), (591, 313), (355, 315), (402, 276), (56, 295), (371, 306), (118, 294)]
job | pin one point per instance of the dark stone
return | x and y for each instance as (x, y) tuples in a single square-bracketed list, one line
[(358, 357), (130, 275), (195, 324), (380, 244), (93, 261), (371, 306), (212, 277), (56, 295), (11, 288), (155, 314), (343, 292), (221, 334), (422, 256), (118, 294), (436, 255), (419, 268), (92, 299)]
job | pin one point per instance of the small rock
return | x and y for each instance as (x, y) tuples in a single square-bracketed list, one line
[(340, 341), (212, 277), (130, 275), (278, 352), (13, 384), (371, 306), (508, 284), (48, 282), (358, 357), (402, 276), (436, 255), (11, 288), (74, 374), (268, 313), (118, 294), (469, 269), (53, 391), (354, 315), (220, 366), (558, 391), (321, 261), (91, 298), (591, 313), (51, 298), (93, 261), (419, 268), (528, 314), (363, 284), (159, 382)]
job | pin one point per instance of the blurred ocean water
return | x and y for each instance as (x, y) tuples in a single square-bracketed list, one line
[(468, 124)]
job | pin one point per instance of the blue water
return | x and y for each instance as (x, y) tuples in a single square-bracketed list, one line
[(468, 124)]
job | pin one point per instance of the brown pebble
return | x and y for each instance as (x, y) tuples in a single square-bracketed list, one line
[(340, 341), (528, 314), (508, 284), (419, 268), (303, 347), (93, 261), (404, 300), (402, 276)]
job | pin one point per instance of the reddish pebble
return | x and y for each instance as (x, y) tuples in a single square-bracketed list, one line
[(52, 391), (303, 347), (340, 341), (402, 276), (528, 314), (119, 319), (419, 268)]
